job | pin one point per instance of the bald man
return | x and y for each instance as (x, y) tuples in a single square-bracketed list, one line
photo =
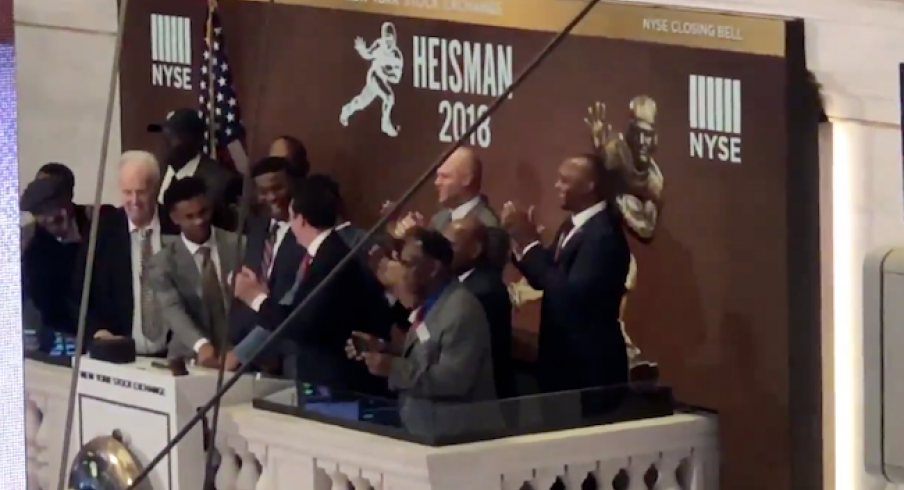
[(120, 303), (458, 184), (469, 242)]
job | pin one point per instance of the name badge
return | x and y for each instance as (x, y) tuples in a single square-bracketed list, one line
[(422, 333)]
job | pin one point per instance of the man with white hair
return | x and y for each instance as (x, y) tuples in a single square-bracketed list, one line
[(121, 303)]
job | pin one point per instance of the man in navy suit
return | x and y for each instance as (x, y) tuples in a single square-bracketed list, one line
[(272, 254), (582, 276)]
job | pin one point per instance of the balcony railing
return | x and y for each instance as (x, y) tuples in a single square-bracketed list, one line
[(266, 451)]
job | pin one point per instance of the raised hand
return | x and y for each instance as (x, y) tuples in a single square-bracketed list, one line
[(360, 46), (405, 225), (600, 130)]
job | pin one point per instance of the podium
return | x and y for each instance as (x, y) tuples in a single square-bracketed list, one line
[(148, 406)]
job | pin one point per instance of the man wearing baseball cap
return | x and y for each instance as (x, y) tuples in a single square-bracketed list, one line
[(53, 260), (184, 136)]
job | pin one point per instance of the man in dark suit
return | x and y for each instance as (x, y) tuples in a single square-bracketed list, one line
[(183, 144), (121, 302), (469, 241), (320, 329), (582, 276), (272, 254), (458, 183)]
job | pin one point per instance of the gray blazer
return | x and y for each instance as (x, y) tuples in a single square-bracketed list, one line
[(498, 245), (176, 281), (440, 378)]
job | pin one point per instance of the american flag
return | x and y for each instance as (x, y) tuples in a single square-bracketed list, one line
[(216, 83)]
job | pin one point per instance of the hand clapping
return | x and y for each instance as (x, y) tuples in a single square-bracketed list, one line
[(248, 286), (519, 224), (404, 226)]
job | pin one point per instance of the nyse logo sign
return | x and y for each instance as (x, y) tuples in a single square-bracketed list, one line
[(171, 51), (715, 118)]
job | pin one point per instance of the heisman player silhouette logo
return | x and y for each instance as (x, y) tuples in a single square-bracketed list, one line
[(385, 70)]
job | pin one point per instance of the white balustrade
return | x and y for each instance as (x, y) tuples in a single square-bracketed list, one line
[(265, 451), (46, 392)]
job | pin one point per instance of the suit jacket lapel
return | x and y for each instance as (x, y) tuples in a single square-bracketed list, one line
[(226, 251), (186, 267), (432, 317), (124, 249)]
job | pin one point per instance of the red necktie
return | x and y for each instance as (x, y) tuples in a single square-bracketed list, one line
[(305, 263)]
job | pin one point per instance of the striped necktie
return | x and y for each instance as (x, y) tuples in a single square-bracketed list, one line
[(269, 251)]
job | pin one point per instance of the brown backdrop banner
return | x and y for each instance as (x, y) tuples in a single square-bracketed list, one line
[(376, 90)]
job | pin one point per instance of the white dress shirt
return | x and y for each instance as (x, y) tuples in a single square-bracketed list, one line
[(344, 224), (143, 345), (312, 252), (462, 277), (577, 220), (187, 171), (459, 212), (281, 231), (193, 248)]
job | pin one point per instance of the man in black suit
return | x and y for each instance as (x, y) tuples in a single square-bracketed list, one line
[(582, 276), (121, 303), (469, 243), (272, 254), (183, 144), (319, 330)]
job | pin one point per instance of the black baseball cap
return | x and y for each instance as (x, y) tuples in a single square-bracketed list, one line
[(46, 194), (181, 121)]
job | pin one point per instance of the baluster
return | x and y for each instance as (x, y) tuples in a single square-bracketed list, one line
[(613, 474), (250, 473), (339, 480), (637, 471), (32, 426), (265, 479), (516, 480), (668, 471), (576, 474), (47, 439), (228, 472), (544, 478)]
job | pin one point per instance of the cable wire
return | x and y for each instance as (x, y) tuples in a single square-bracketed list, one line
[(92, 248), (379, 225)]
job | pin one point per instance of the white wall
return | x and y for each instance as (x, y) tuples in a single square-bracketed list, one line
[(64, 51)]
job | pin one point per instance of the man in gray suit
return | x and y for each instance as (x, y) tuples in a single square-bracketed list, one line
[(458, 187), (445, 364), (188, 275)]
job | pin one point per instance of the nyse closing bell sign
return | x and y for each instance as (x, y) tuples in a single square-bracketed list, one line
[(377, 88)]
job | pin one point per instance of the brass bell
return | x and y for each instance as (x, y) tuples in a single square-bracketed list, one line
[(105, 463)]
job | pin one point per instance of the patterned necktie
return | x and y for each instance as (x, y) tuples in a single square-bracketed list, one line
[(269, 252), (563, 237), (151, 326), (212, 297)]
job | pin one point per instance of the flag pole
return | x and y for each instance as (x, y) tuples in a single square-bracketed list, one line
[(211, 93)]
